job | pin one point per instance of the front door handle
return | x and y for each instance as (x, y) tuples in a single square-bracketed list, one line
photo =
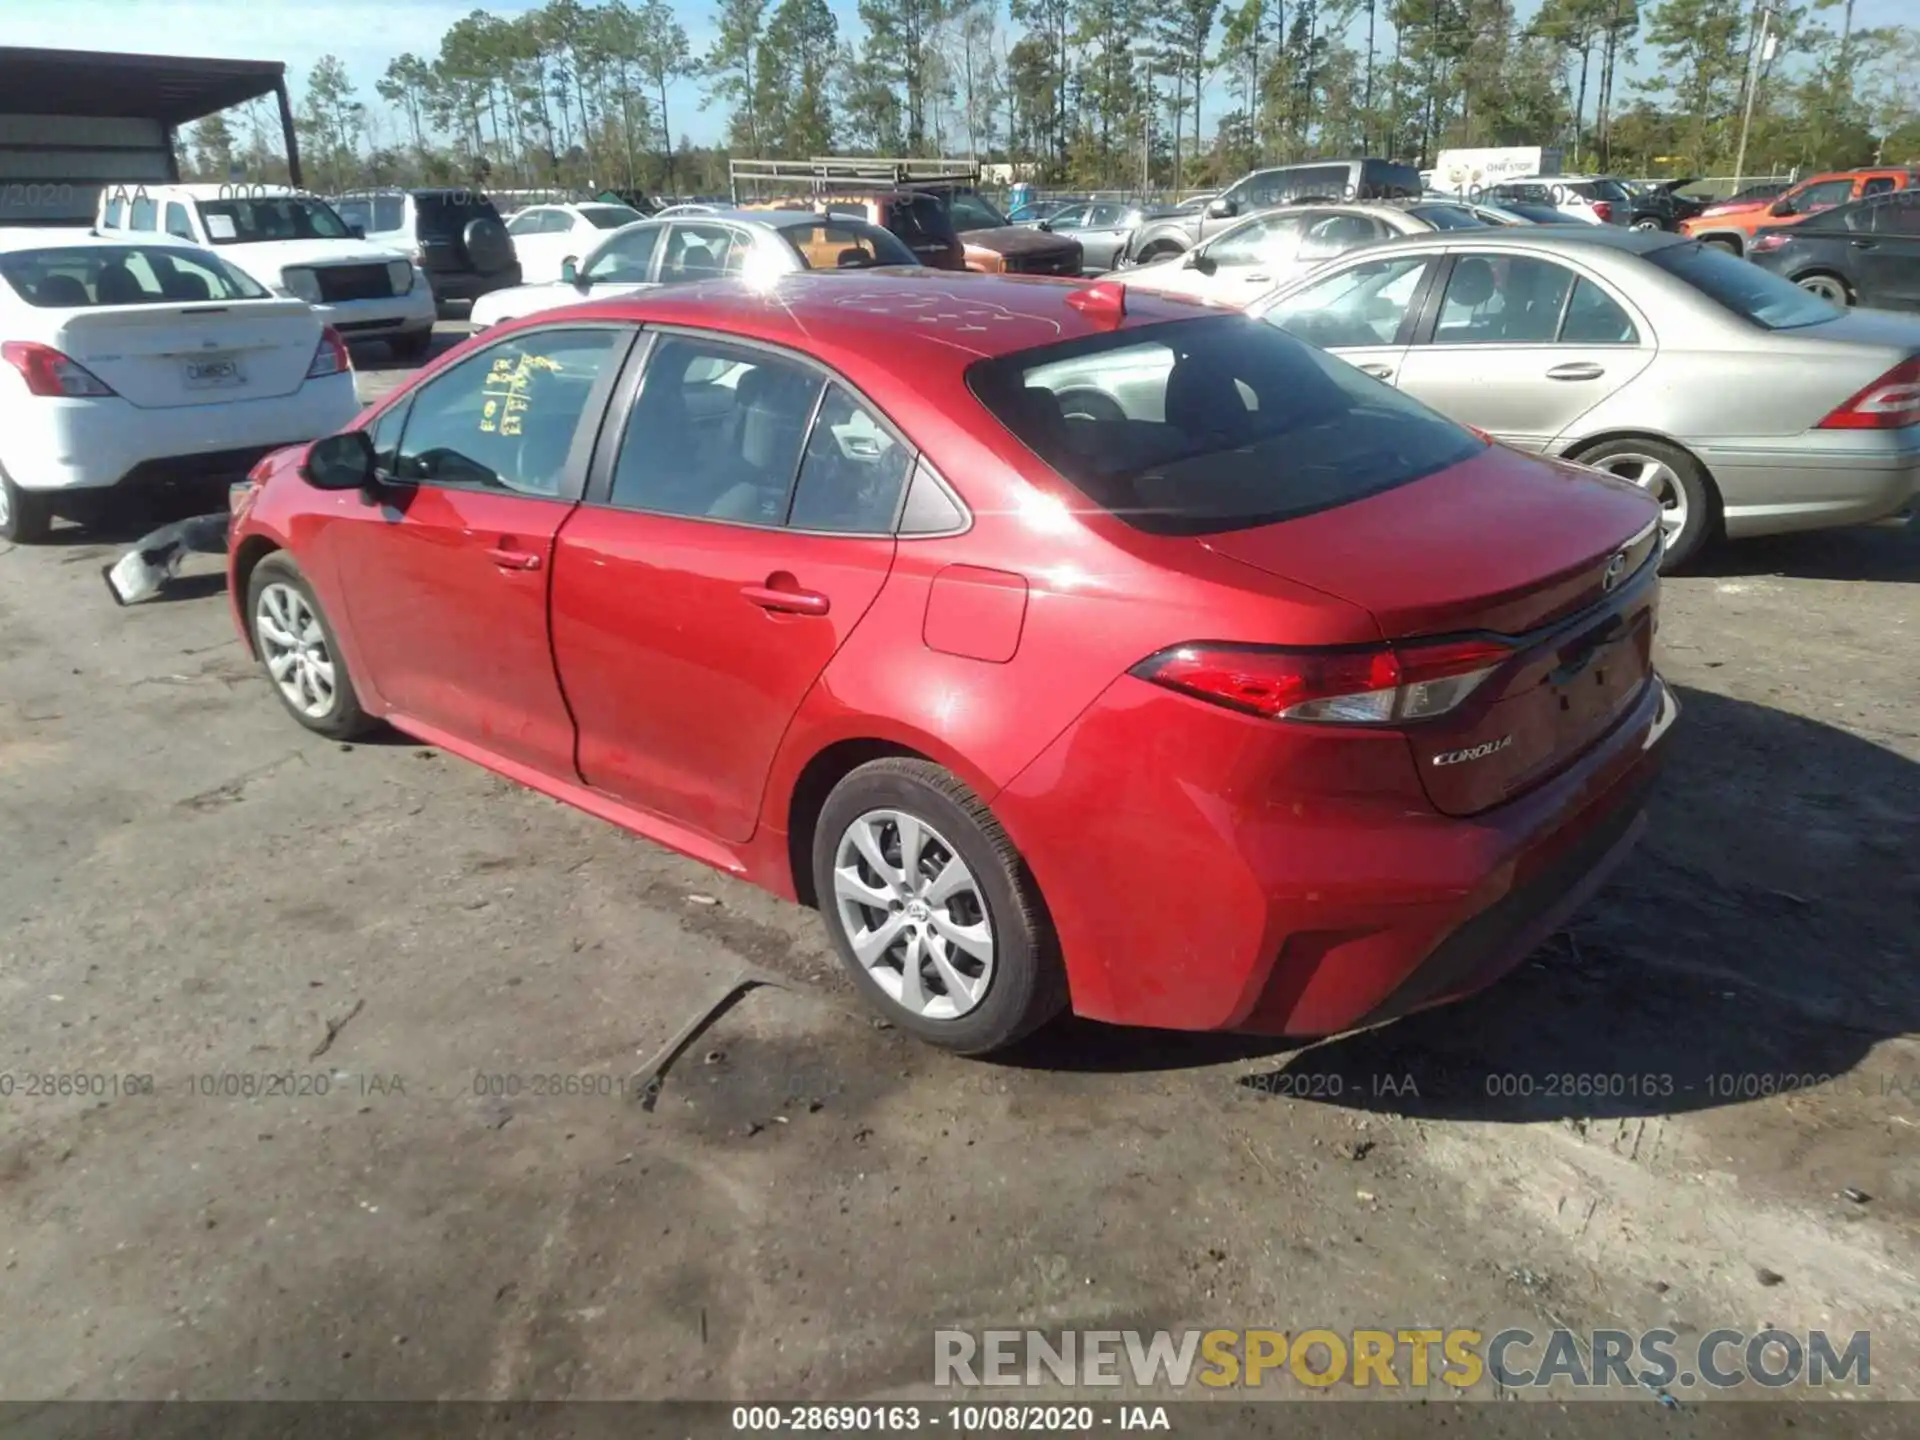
[(1377, 371), (1865, 244), (1581, 371), (790, 602), (1260, 278), (509, 559)]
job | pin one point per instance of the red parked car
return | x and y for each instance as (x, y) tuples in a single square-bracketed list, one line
[(1061, 646)]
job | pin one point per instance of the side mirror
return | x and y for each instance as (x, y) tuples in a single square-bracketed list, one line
[(359, 232), (1223, 208), (1046, 225), (340, 462), (1781, 207), (570, 273)]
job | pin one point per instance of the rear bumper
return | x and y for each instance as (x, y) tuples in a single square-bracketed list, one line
[(98, 444), (1217, 901), (1819, 484)]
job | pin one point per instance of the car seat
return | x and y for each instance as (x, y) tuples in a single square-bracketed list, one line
[(61, 291), (115, 285), (1204, 403), (771, 408)]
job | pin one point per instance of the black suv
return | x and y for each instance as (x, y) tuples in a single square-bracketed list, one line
[(455, 235), (1264, 189)]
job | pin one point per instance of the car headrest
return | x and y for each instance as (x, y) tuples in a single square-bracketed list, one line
[(62, 290), (1204, 401), (1472, 282), (1039, 420), (115, 285)]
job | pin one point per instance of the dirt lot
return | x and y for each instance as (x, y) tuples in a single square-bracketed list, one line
[(194, 888)]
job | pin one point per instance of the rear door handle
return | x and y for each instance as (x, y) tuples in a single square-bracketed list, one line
[(1378, 372), (791, 602), (510, 559), (1581, 371), (1259, 279)]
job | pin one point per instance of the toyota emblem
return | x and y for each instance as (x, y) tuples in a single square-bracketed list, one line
[(1616, 570)]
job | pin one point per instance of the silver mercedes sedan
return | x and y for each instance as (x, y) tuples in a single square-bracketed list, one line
[(1747, 405)]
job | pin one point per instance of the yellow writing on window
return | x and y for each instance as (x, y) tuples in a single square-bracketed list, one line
[(505, 398)]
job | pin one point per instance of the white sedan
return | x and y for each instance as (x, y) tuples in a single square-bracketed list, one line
[(145, 362), (1246, 260), (545, 235)]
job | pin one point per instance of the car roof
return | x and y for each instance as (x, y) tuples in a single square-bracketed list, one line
[(50, 237), (900, 318), (767, 219), (1573, 235)]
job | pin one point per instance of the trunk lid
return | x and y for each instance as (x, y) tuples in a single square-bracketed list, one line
[(1557, 559), (197, 353)]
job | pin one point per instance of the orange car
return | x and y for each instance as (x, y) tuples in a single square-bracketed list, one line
[(1730, 225)]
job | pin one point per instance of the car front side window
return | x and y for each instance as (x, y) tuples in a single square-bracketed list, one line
[(626, 258), (1502, 300), (1264, 241), (506, 418)]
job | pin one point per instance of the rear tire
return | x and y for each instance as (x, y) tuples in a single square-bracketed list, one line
[(917, 882), (1831, 288), (1690, 507), (414, 345), (26, 516), (282, 610)]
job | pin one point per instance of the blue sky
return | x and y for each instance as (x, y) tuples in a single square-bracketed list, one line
[(366, 34)]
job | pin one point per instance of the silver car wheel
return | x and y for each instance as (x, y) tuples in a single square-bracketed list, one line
[(1646, 225), (914, 914), (1827, 288), (294, 648), (1658, 479)]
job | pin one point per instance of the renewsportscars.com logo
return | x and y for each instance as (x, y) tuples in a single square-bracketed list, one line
[(1411, 1359)]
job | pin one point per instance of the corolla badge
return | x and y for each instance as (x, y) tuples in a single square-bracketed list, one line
[(1616, 570), (1475, 752)]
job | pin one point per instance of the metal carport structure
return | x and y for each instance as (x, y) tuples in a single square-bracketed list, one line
[(73, 121)]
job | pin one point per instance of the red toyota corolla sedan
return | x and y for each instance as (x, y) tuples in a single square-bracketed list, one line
[(1062, 647)]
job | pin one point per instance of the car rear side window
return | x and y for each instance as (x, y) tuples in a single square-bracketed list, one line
[(1748, 291), (716, 433), (1221, 423), (852, 472), (506, 418)]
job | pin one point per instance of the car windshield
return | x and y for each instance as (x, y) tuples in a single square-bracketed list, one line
[(846, 245), (242, 221), (610, 217), (80, 276), (970, 211), (1747, 290), (1448, 217), (1192, 427)]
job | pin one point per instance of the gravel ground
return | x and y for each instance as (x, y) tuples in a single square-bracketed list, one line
[(192, 888)]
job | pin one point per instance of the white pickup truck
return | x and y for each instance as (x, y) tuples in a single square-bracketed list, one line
[(295, 245)]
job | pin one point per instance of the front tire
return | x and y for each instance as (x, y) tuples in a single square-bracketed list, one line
[(933, 910), (298, 652), (1689, 507)]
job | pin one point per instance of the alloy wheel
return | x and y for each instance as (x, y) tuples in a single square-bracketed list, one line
[(1658, 479), (914, 914), (1646, 225), (295, 650), (1827, 288)]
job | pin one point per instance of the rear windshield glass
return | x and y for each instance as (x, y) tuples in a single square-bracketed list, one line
[(78, 277), (1218, 423), (1604, 190), (1747, 290), (283, 217), (1383, 179), (846, 244), (610, 217), (1448, 217)]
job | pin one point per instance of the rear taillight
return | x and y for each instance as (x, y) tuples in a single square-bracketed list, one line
[(1891, 403), (1374, 685), (1604, 209), (48, 372), (331, 358), (1761, 244)]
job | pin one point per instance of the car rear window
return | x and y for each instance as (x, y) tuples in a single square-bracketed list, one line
[(1748, 291), (610, 217), (1194, 427), (1603, 190), (1387, 180), (1448, 217), (445, 216), (921, 218), (79, 277), (846, 244)]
